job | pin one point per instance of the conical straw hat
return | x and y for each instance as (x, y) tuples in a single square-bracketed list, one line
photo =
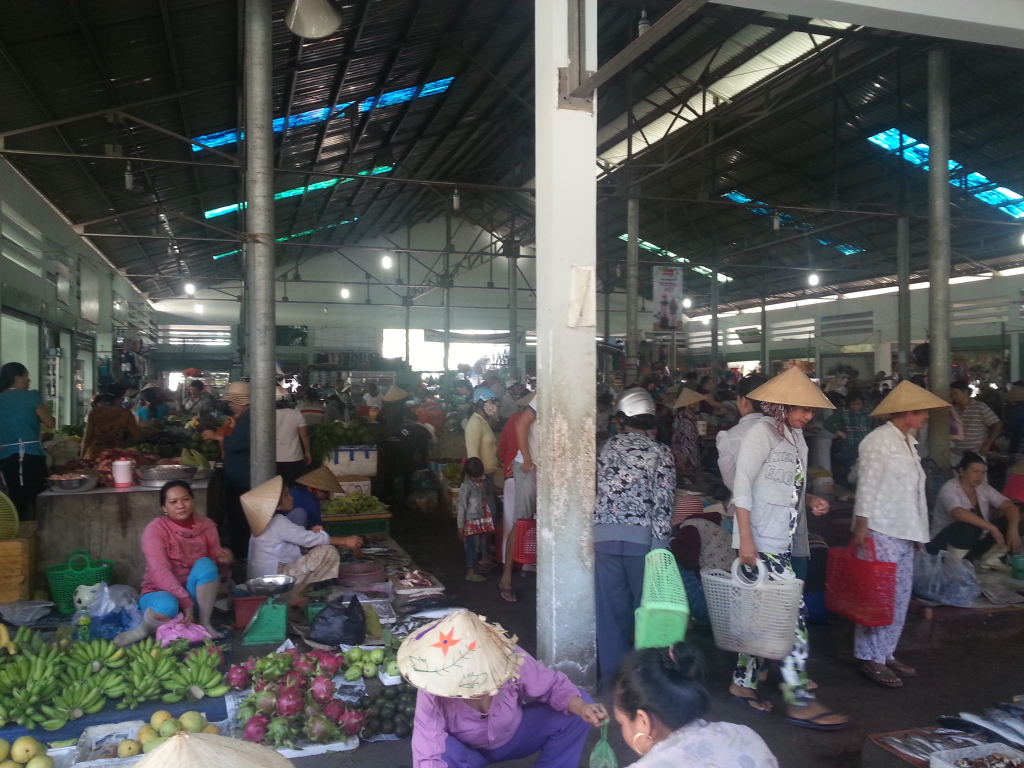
[(394, 394), (322, 479), (689, 397), (202, 750), (907, 396), (261, 502), (459, 656), (792, 387)]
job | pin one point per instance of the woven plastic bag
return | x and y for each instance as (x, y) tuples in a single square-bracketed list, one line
[(602, 756), (945, 579), (861, 589)]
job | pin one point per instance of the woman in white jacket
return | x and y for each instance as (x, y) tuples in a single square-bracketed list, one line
[(769, 496)]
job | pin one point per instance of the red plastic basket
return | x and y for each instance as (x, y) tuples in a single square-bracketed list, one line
[(245, 609), (861, 589), (526, 542)]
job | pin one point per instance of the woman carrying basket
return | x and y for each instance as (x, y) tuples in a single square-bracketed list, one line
[(891, 509), (769, 496)]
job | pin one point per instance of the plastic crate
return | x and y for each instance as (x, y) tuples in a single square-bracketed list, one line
[(664, 612), (245, 609), (526, 542), (356, 525)]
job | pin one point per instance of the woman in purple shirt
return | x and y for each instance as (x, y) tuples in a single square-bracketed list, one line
[(472, 678)]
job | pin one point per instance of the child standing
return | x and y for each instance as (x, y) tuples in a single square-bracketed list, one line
[(475, 519)]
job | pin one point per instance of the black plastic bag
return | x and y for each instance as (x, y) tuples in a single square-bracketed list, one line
[(338, 624)]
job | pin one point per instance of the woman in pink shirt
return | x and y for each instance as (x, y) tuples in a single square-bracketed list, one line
[(182, 551), (472, 679)]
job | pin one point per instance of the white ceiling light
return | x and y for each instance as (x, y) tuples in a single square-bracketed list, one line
[(199, 309), (687, 303), (812, 279), (385, 261), (190, 289), (345, 293), (312, 19)]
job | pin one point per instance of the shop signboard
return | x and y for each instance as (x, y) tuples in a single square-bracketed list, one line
[(667, 298)]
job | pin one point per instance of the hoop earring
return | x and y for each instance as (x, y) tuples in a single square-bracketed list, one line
[(635, 735)]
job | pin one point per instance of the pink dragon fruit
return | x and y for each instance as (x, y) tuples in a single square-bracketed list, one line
[(321, 730), (304, 666), (281, 732), (293, 679), (321, 689), (335, 709), (249, 664), (289, 702), (330, 664), (266, 700), (351, 721), (311, 710), (238, 677), (247, 709), (256, 729), (294, 653)]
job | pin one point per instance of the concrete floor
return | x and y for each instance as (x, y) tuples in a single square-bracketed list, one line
[(963, 664)]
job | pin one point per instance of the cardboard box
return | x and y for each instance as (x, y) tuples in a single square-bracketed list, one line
[(353, 484), (352, 460)]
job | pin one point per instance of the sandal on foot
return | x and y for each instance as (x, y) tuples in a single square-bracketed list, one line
[(508, 595), (900, 668), (813, 724), (884, 677), (750, 702), (475, 577)]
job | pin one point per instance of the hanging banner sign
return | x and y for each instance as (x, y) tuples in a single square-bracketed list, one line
[(667, 298)]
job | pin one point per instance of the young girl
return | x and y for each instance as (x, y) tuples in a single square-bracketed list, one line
[(475, 519)]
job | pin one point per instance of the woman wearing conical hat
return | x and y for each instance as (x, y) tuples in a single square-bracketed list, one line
[(770, 528), (892, 511)]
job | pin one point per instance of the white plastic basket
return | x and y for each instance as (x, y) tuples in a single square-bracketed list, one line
[(757, 617)]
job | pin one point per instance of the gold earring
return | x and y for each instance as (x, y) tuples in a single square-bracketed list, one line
[(634, 743)]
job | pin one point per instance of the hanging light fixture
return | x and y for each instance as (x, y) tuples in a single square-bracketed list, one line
[(813, 279), (129, 177), (345, 293), (190, 289), (385, 261), (644, 25), (687, 303), (313, 19)]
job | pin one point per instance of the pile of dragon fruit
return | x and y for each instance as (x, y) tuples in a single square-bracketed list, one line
[(293, 699)]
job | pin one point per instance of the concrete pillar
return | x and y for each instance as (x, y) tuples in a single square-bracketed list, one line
[(1015, 356), (447, 311), (903, 297), (883, 356), (714, 324), (939, 247), (765, 362), (259, 224), (513, 317), (632, 290), (566, 145)]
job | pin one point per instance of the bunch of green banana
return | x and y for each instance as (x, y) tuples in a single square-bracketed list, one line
[(25, 686), (72, 703), (98, 654), (144, 679), (26, 670), (27, 639), (194, 681), (150, 647), (110, 681)]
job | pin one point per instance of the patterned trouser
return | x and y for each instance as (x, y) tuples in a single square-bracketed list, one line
[(878, 644), (793, 667), (319, 564)]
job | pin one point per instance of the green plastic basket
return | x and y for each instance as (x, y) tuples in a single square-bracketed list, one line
[(664, 612), (79, 570), (359, 526)]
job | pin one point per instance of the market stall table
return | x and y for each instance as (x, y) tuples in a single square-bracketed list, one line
[(107, 522)]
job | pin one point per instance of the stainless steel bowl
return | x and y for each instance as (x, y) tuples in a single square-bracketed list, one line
[(270, 585), (202, 474), (77, 484), (164, 473)]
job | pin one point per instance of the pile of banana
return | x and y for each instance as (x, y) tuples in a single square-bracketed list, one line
[(50, 684)]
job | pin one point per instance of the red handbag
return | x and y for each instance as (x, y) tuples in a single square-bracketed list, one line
[(861, 589)]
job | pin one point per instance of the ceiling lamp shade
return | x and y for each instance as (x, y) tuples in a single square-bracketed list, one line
[(313, 19)]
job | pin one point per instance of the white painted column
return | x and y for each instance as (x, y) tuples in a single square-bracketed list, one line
[(883, 357), (1015, 356), (566, 352)]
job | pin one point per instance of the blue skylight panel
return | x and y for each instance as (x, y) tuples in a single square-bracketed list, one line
[(222, 138), (665, 253), (788, 220), (980, 186)]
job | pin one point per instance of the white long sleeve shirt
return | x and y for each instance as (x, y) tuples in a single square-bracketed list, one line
[(281, 542), (891, 485)]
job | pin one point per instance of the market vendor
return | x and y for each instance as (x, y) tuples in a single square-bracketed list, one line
[(472, 680), (234, 447), (310, 490), (182, 552), (276, 544), (22, 460), (108, 426)]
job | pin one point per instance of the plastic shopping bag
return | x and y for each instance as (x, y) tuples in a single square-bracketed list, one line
[(603, 756), (945, 579)]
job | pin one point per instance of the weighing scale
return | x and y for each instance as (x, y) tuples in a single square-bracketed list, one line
[(270, 624)]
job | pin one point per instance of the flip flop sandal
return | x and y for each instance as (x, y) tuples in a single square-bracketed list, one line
[(508, 595), (476, 577), (748, 702), (885, 678), (900, 668), (814, 725)]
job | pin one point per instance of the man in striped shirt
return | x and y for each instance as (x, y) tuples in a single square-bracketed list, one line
[(979, 425)]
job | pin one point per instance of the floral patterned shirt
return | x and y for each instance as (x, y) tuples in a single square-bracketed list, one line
[(636, 480)]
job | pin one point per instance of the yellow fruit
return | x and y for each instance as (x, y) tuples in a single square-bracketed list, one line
[(40, 761), (159, 718), (149, 746), (10, 764), (170, 727), (192, 721), (25, 748), (5, 750), (128, 748), (211, 728), (146, 733)]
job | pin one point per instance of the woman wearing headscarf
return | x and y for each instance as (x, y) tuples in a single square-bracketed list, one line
[(685, 437), (769, 496), (892, 511)]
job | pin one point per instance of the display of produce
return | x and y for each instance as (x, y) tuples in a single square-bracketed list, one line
[(453, 473), (162, 725), (357, 503), (325, 436), (25, 751)]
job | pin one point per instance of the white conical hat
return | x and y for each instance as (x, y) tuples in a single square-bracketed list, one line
[(202, 750), (394, 394), (907, 396), (689, 397), (261, 502), (459, 656), (792, 387), (322, 479)]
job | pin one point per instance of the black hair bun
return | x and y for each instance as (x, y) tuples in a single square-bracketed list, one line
[(682, 660)]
